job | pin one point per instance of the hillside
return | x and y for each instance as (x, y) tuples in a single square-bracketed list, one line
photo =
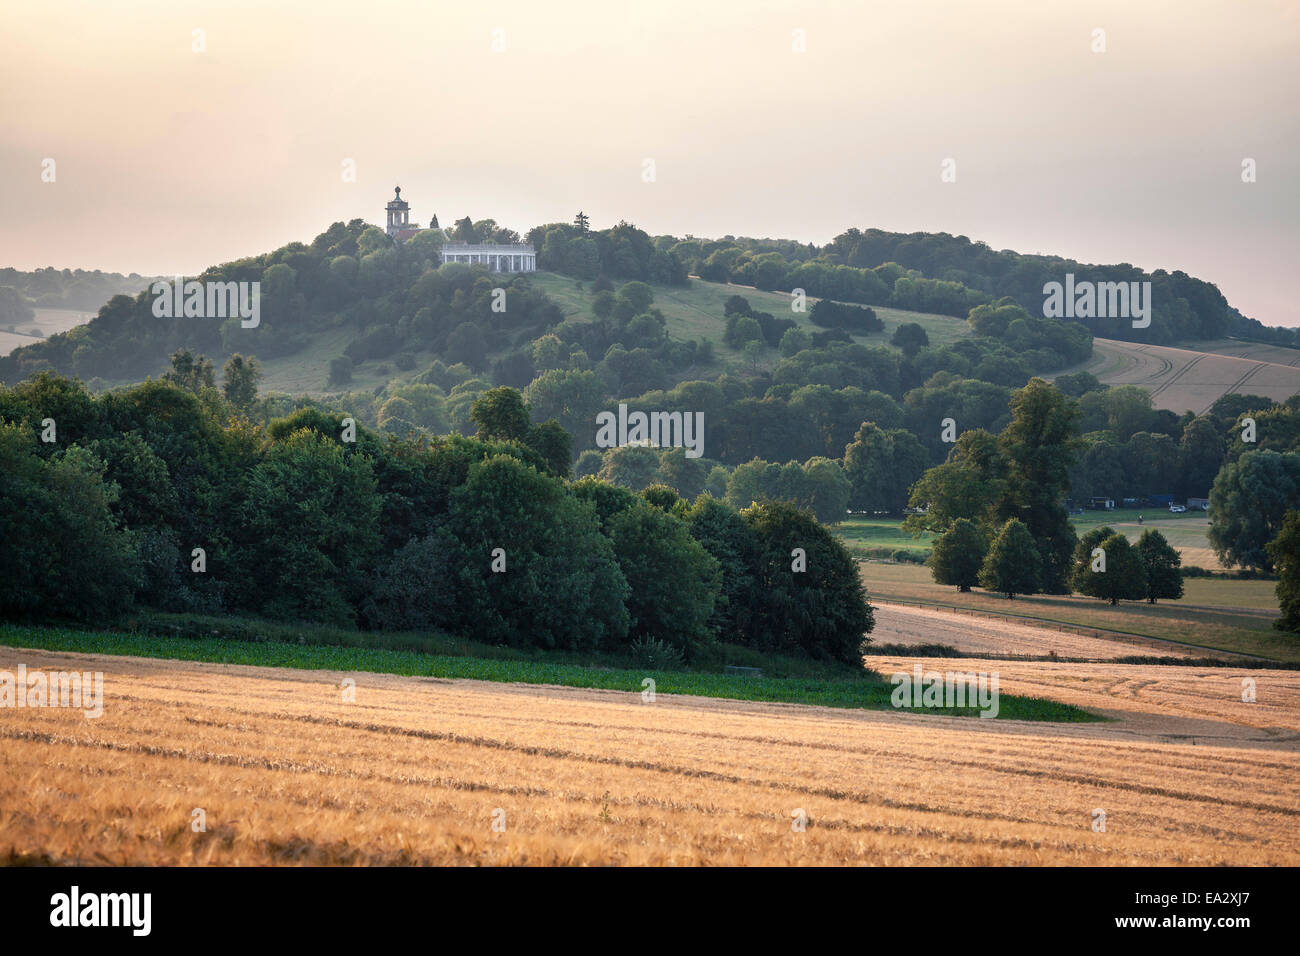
[(1183, 380)]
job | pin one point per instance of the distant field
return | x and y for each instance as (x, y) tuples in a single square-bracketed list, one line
[(1187, 532), (417, 771), (883, 532), (1227, 615), (1187, 380), (48, 321)]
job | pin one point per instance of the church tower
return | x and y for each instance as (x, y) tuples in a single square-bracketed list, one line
[(398, 210)]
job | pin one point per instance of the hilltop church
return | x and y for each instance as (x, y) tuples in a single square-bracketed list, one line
[(512, 257)]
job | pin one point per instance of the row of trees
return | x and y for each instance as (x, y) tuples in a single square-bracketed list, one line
[(157, 495), (1106, 565)]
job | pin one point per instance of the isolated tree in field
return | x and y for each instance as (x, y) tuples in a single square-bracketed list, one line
[(1284, 552), (910, 337), (500, 413), (1247, 503), (241, 378), (958, 555), (1122, 576), (1012, 565), (1163, 564)]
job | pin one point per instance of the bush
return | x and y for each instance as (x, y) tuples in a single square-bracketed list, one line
[(646, 651)]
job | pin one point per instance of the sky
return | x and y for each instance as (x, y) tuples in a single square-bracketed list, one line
[(174, 149)]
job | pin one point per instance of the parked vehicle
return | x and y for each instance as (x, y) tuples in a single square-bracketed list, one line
[(1177, 509)]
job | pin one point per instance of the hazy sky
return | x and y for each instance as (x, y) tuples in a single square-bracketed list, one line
[(169, 160)]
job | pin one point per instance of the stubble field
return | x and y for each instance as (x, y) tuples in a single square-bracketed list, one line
[(416, 770)]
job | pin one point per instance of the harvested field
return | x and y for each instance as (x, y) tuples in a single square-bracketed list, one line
[(975, 634), (414, 769), (1183, 379)]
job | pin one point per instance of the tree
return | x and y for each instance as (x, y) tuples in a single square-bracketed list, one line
[(631, 466), (795, 341), (910, 337), (1012, 565), (582, 221), (467, 344), (64, 552), (735, 546), (190, 371), (1248, 501), (1122, 576), (673, 581), (958, 555), (463, 230), (882, 466), (561, 586), (821, 610), (1284, 553), (241, 378), (552, 442), (307, 528), (572, 398), (500, 413), (1162, 563), (1039, 446)]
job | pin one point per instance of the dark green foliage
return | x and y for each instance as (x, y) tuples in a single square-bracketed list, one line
[(674, 582), (1012, 565), (1122, 576), (837, 315), (501, 414), (958, 555), (1249, 499), (1163, 566), (735, 546), (1284, 553), (63, 553), (306, 531), (562, 587), (909, 337), (821, 611)]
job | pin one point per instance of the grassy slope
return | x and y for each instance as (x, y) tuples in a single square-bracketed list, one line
[(861, 692), (1219, 614), (696, 312)]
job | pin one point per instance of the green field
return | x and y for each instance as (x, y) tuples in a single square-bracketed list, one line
[(867, 691), (862, 533), (1215, 613)]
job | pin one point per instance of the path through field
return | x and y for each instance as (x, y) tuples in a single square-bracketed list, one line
[(285, 771)]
